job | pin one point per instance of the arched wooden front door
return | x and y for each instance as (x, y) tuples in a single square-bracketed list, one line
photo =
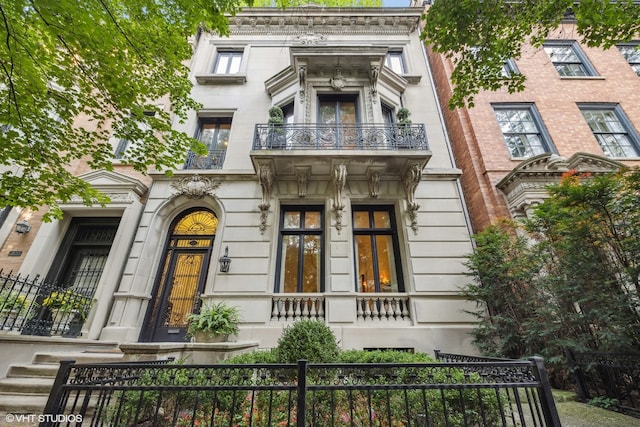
[(181, 277)]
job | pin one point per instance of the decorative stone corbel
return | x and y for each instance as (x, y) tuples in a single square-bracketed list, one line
[(195, 187), (373, 175), (265, 176), (339, 180), (302, 80), (303, 175), (411, 179), (374, 73)]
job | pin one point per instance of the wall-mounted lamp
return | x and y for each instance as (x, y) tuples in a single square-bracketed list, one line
[(225, 261), (23, 227)]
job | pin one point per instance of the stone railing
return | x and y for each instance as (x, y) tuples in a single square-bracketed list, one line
[(289, 307), (383, 307)]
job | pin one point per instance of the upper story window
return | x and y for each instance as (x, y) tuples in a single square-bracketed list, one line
[(631, 52), (377, 251), (509, 68), (300, 250), (522, 130), (127, 144), (228, 61), (395, 61), (569, 59), (213, 132), (612, 129)]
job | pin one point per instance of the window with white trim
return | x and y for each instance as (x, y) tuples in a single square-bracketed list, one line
[(228, 61), (568, 59), (612, 129), (395, 61), (522, 129), (631, 52)]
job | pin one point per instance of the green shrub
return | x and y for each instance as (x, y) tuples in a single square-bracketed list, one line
[(255, 357), (307, 339)]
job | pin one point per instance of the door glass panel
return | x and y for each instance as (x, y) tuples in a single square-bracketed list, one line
[(183, 296), (290, 261), (311, 267), (364, 255), (386, 264)]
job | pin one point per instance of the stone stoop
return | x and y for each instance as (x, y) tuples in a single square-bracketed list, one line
[(26, 387)]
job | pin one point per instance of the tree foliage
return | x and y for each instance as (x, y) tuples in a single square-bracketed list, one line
[(74, 73), (480, 35), (568, 277)]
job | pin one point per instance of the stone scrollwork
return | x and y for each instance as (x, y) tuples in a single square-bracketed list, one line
[(195, 187), (339, 181), (265, 176), (410, 180)]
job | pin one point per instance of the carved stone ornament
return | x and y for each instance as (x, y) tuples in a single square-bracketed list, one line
[(302, 77), (374, 73), (310, 38), (195, 187), (373, 176), (339, 180), (411, 179), (303, 176), (265, 176), (337, 81)]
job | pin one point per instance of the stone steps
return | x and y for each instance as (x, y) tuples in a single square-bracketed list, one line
[(26, 387)]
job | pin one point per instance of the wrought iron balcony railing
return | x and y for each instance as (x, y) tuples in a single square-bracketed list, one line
[(212, 160), (313, 136)]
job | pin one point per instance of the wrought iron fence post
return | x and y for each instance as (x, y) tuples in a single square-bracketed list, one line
[(544, 392), (437, 352), (302, 392), (578, 375), (55, 397)]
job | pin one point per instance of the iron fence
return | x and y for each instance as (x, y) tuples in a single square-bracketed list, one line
[(514, 393), (318, 136), (611, 375), (31, 306)]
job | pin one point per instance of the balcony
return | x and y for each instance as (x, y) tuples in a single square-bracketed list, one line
[(362, 146), (212, 160)]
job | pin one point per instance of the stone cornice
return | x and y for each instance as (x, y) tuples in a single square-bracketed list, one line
[(325, 21)]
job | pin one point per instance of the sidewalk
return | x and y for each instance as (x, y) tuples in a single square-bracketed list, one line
[(577, 414)]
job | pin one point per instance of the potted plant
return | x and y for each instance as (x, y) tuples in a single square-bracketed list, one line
[(276, 131), (12, 305), (214, 323), (404, 126), (67, 301)]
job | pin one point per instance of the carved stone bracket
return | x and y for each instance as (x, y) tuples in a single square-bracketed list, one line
[(302, 173), (411, 179), (195, 187), (339, 180), (373, 175), (265, 176), (302, 80), (374, 73)]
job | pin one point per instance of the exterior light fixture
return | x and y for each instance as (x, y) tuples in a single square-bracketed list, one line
[(23, 227), (225, 261)]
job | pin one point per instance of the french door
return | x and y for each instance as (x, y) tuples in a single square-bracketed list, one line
[(341, 113)]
